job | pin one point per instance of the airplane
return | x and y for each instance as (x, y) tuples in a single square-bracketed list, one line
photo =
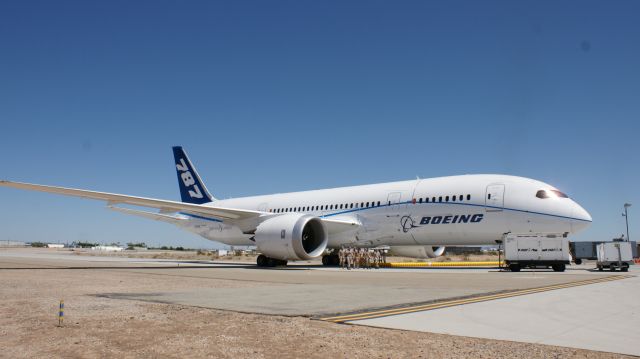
[(416, 218)]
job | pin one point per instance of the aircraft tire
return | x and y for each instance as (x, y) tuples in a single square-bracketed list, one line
[(262, 260)]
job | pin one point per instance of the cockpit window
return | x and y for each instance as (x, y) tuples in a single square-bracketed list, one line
[(550, 193)]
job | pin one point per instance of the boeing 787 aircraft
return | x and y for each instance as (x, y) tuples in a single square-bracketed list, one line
[(414, 218)]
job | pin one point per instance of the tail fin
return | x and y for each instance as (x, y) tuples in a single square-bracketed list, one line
[(192, 189)]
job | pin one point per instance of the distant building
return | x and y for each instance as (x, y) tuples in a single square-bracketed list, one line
[(107, 248), (12, 244), (55, 245)]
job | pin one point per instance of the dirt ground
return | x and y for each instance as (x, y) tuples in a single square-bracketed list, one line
[(97, 327)]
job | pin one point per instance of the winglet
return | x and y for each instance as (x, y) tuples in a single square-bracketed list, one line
[(192, 189)]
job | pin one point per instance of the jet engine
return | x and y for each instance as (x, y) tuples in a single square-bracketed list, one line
[(417, 251), (292, 236)]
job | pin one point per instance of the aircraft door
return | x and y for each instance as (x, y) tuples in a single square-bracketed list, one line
[(494, 198), (393, 200)]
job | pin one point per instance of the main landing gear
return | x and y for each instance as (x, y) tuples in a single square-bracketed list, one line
[(331, 259), (264, 261)]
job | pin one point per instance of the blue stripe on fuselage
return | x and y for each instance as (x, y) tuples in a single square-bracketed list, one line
[(459, 204), (411, 202)]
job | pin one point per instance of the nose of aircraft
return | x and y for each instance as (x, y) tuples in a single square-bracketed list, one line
[(581, 216)]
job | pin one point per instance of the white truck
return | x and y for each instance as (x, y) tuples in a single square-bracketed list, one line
[(536, 251), (614, 255)]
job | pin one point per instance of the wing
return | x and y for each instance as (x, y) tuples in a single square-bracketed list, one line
[(162, 205), (247, 219)]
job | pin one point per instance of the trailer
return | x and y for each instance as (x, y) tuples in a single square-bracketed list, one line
[(583, 250), (536, 251), (614, 255)]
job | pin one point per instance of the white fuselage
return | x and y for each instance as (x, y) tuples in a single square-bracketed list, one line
[(456, 210)]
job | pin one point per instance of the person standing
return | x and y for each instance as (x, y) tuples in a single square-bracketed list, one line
[(367, 259)]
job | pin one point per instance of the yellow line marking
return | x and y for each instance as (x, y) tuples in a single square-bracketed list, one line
[(441, 264), (451, 303)]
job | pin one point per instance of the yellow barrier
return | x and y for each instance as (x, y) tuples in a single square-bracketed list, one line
[(441, 264)]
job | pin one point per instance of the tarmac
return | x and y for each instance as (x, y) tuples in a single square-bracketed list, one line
[(600, 316), (579, 308)]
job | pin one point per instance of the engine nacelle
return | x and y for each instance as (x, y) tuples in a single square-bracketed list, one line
[(292, 236), (416, 251)]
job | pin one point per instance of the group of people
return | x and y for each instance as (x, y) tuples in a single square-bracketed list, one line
[(361, 258)]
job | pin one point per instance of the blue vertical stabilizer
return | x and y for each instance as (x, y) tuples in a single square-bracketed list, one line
[(192, 189)]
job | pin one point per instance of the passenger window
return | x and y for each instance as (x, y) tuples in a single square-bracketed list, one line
[(440, 199), (367, 204), (420, 201), (468, 197), (453, 198), (446, 199), (489, 196), (433, 199), (378, 203), (361, 204), (351, 205), (460, 198), (426, 200)]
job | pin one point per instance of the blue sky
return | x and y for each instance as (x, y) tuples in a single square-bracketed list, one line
[(284, 96)]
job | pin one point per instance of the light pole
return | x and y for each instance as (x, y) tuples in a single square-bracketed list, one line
[(626, 218)]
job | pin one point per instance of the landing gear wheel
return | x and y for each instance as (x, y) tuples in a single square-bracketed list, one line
[(578, 261), (335, 260), (612, 268), (558, 267), (330, 260), (600, 268), (326, 260), (514, 267), (262, 261), (625, 268)]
